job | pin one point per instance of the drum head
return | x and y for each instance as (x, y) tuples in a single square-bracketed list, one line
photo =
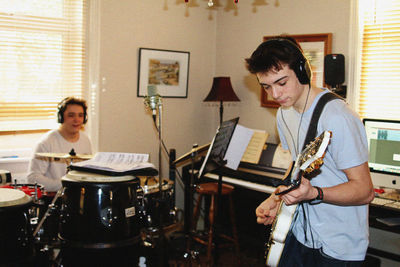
[(29, 189), (13, 197), (76, 176)]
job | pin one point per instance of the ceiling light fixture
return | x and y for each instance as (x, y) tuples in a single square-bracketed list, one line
[(211, 3)]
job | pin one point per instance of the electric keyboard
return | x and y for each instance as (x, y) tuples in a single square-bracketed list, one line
[(264, 177), (384, 202), (243, 183)]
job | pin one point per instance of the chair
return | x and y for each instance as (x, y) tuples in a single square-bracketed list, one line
[(212, 190)]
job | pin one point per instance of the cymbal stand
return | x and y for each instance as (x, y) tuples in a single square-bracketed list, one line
[(190, 254)]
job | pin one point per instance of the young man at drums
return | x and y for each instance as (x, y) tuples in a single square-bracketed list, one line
[(330, 225), (72, 115)]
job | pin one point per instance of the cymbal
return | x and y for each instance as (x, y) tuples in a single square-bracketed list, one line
[(186, 158), (63, 157)]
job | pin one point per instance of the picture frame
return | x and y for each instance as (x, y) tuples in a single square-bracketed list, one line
[(168, 70), (315, 48)]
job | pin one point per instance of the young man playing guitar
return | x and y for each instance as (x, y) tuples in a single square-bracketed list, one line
[(330, 224)]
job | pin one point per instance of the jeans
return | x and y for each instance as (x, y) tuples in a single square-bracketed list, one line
[(296, 254)]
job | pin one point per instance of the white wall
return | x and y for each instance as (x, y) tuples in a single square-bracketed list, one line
[(127, 25), (218, 42)]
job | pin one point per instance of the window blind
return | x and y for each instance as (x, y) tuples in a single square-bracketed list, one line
[(379, 95), (42, 60)]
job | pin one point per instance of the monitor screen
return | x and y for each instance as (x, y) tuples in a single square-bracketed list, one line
[(384, 151)]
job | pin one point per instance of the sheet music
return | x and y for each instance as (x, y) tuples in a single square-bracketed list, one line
[(282, 158), (255, 147), (116, 161), (239, 142)]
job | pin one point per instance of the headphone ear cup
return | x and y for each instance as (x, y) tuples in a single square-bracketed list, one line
[(60, 115), (303, 71)]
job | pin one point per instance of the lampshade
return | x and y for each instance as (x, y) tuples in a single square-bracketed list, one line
[(221, 90)]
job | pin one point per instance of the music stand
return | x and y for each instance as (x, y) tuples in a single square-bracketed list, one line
[(215, 160)]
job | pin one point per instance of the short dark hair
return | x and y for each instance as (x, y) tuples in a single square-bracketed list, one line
[(62, 106), (272, 53)]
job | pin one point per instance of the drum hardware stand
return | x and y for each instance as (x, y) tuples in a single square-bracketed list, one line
[(190, 254), (49, 210), (34, 219)]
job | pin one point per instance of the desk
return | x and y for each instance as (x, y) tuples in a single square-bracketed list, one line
[(384, 239)]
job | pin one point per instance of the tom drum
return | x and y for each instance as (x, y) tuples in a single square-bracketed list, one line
[(99, 211), (159, 207)]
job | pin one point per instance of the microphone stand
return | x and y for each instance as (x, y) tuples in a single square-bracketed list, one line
[(155, 104), (161, 200)]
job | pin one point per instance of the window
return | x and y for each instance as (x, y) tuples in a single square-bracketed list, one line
[(42, 60), (378, 64)]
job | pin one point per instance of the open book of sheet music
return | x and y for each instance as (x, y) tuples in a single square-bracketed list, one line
[(116, 164), (234, 143)]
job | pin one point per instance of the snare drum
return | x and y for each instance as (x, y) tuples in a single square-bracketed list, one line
[(160, 208), (16, 243), (38, 207), (99, 211), (29, 189)]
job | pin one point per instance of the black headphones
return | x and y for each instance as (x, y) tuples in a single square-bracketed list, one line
[(62, 106), (302, 67)]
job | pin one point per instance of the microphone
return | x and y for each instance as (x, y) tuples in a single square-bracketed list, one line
[(153, 99)]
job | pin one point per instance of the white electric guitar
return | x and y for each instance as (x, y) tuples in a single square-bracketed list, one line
[(310, 159)]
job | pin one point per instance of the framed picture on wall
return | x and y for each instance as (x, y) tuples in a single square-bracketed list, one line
[(315, 47), (167, 70)]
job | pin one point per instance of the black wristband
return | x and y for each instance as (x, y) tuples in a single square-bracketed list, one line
[(319, 197)]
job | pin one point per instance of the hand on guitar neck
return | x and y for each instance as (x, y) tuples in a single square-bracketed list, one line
[(304, 192), (301, 189)]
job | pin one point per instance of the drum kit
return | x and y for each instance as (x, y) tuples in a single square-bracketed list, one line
[(91, 213)]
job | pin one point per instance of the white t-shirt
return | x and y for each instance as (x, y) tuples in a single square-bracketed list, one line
[(340, 231), (49, 173)]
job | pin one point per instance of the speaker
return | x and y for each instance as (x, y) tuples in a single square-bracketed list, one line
[(334, 69)]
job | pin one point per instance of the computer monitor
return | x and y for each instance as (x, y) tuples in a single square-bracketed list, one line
[(384, 151)]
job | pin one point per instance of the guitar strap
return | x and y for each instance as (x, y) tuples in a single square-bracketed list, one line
[(312, 127), (311, 134)]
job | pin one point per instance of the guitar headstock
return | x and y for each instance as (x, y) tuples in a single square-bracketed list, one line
[(311, 158)]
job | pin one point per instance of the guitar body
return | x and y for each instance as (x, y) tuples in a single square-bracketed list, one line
[(279, 231), (307, 161)]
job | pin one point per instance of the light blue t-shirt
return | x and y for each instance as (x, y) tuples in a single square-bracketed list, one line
[(340, 231)]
